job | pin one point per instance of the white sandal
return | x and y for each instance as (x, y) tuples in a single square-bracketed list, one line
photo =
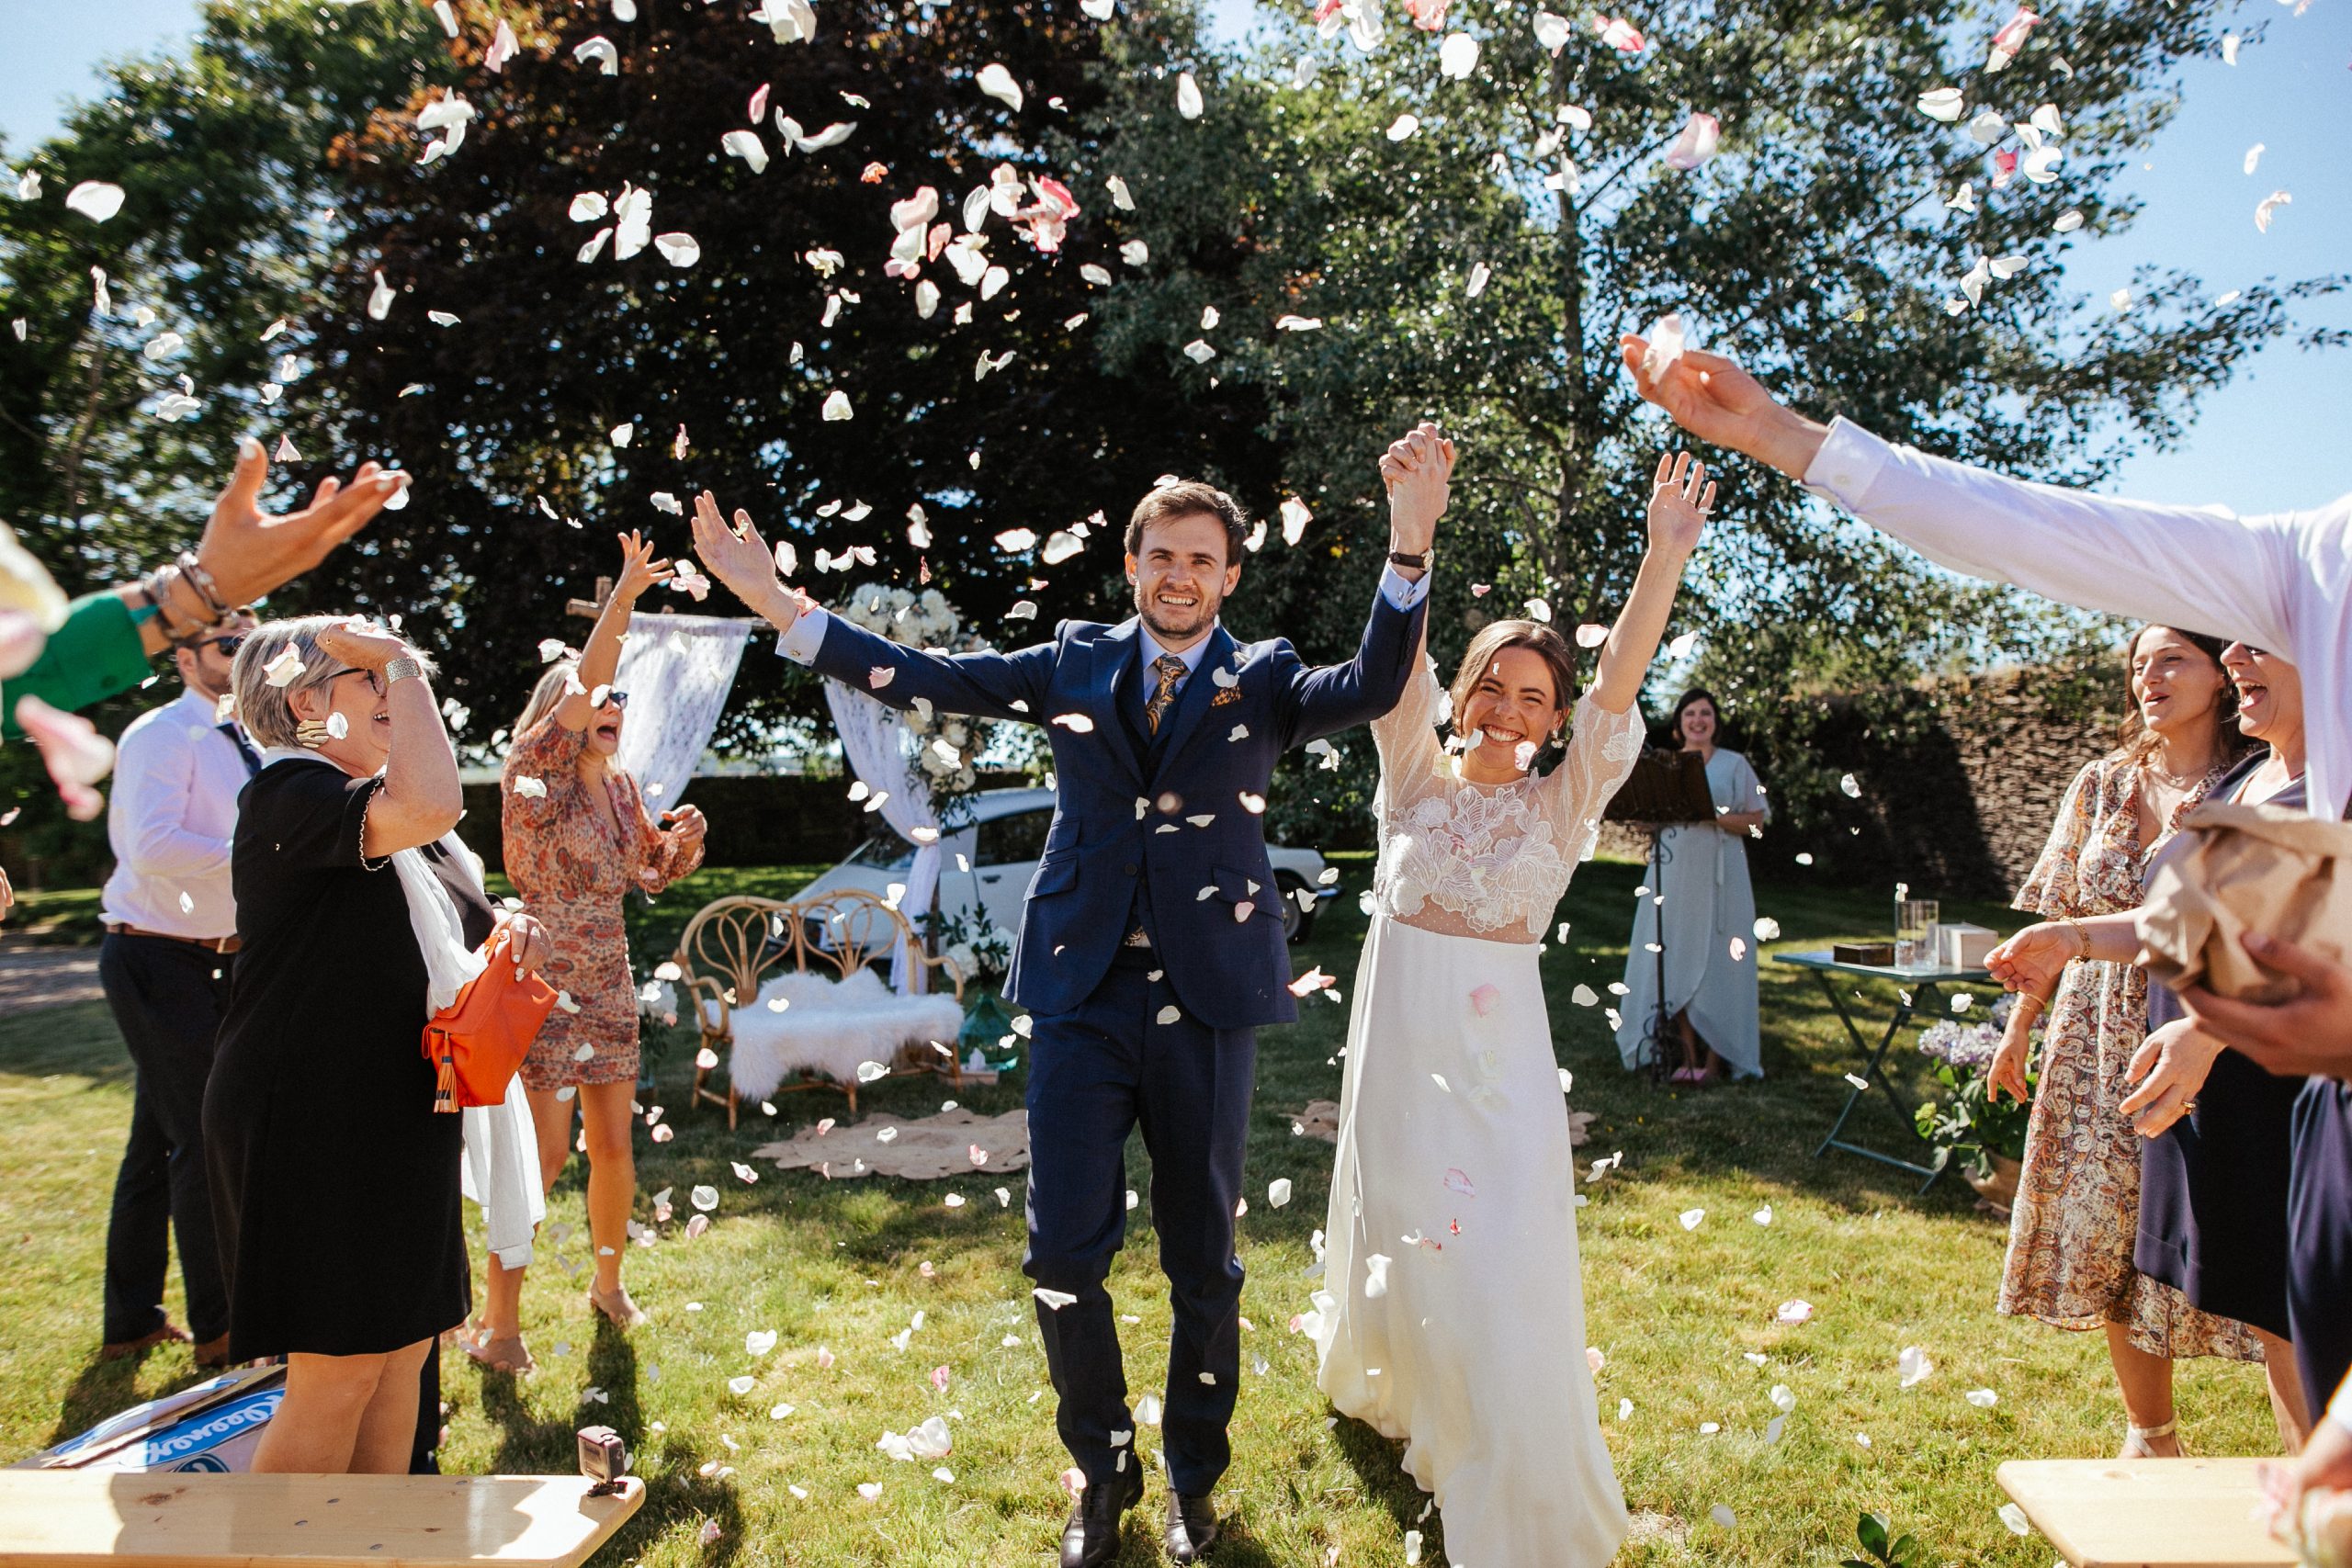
[(2135, 1440)]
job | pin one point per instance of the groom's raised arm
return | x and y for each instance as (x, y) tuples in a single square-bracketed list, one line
[(989, 685), (1326, 699)]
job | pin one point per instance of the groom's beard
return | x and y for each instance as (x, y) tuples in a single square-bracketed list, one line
[(1162, 618)]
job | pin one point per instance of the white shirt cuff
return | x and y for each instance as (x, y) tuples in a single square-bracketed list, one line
[(807, 635), (1847, 464), (1401, 594), (2339, 1409)]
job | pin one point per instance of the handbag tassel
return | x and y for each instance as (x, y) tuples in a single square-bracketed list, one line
[(445, 1089)]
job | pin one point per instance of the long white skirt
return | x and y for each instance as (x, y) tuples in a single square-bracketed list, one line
[(1469, 1342)]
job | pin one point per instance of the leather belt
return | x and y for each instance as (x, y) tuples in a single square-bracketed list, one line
[(209, 944)]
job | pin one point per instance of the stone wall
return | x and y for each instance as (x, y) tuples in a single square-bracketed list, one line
[(1959, 781)]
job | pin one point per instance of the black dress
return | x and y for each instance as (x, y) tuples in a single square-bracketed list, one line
[(2213, 1186), (335, 1182)]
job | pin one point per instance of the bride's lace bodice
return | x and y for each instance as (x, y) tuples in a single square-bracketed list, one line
[(1489, 861)]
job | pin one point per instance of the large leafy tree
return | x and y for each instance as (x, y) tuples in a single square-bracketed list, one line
[(1474, 210), (226, 225), (569, 397)]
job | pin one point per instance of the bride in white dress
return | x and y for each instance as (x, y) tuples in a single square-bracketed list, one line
[(1452, 1314)]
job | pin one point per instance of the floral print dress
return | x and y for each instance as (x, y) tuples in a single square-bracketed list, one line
[(573, 872), (2072, 1229)]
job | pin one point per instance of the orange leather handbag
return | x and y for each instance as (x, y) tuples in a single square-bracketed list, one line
[(478, 1042)]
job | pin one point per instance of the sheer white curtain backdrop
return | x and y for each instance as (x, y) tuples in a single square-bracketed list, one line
[(677, 671), (879, 748)]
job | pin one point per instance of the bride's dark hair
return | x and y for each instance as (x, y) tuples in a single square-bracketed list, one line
[(1533, 636)]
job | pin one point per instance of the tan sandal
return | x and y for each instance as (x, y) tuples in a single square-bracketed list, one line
[(2136, 1438), (500, 1353), (617, 1307)]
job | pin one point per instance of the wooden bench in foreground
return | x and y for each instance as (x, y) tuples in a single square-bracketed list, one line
[(2145, 1512), (54, 1518)]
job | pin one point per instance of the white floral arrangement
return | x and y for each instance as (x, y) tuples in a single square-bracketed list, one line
[(946, 744)]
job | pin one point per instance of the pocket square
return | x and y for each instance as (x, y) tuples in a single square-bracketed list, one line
[(1226, 695)]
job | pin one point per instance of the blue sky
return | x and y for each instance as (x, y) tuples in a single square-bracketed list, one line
[(2273, 438)]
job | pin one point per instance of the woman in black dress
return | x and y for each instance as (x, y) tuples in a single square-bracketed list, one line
[(2217, 1129), (334, 1183)]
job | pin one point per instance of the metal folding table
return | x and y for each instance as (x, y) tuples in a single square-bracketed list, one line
[(1917, 995)]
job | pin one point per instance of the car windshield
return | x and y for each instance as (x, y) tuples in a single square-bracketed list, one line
[(883, 851)]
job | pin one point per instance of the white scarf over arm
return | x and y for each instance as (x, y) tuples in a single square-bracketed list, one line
[(500, 1166)]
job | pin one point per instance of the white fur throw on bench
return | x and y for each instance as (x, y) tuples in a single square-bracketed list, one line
[(829, 1027)]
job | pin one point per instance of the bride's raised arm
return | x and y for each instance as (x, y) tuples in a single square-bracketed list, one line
[(1681, 499)]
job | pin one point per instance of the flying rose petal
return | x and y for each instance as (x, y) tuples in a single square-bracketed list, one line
[(678, 250), (1375, 1276), (2230, 42), (1690, 1218), (503, 48), (1485, 999), (1696, 143), (1457, 56), (2042, 164), (1403, 127), (1619, 34), (1054, 1301), (703, 1198), (600, 50), (95, 199), (791, 21), (2009, 40), (1188, 97), (1100, 10), (379, 300), (1945, 104), (1551, 32), (837, 406), (1592, 634), (1669, 337), (1913, 1367), (997, 82), (2266, 206), (746, 145)]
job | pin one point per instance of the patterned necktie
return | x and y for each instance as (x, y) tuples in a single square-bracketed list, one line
[(1170, 670)]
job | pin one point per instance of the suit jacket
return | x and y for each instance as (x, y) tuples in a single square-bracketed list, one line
[(1215, 910)]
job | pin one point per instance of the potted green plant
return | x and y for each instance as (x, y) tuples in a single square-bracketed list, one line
[(1964, 1123)]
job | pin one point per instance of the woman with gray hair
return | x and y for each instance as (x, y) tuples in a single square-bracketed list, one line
[(335, 1185)]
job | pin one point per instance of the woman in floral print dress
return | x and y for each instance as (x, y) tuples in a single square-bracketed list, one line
[(2072, 1229), (578, 840)]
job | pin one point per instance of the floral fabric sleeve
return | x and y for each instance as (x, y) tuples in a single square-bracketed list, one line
[(1406, 736), (662, 859), (1602, 748), (2053, 887)]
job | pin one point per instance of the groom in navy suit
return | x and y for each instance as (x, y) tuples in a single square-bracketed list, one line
[(1152, 940)]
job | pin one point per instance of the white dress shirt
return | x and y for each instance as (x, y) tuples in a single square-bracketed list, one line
[(808, 633), (176, 779), (2282, 582)]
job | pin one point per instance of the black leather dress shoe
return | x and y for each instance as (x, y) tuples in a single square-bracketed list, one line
[(1091, 1537), (1192, 1528)]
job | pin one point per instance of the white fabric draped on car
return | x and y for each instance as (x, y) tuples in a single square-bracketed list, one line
[(677, 671), (881, 752)]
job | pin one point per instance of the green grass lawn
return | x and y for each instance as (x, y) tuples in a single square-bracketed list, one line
[(839, 1267)]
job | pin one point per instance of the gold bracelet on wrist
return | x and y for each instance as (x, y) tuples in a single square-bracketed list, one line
[(2081, 936)]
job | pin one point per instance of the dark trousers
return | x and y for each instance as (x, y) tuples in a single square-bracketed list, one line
[(167, 998), (2319, 1244), (1096, 1073)]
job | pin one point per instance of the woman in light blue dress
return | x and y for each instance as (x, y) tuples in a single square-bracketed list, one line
[(1710, 915)]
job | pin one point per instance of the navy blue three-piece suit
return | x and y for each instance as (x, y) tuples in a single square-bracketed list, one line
[(1149, 831)]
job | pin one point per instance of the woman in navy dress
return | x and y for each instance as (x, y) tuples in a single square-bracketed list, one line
[(2217, 1129)]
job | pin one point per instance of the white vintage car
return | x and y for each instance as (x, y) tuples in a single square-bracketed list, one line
[(985, 867)]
